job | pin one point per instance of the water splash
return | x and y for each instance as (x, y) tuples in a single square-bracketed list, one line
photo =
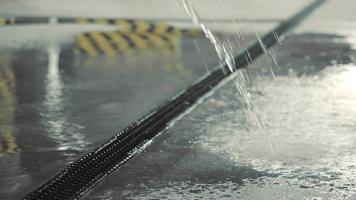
[(225, 54), (313, 113)]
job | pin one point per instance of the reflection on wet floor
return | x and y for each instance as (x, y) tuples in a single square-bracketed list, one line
[(56, 114), (65, 103), (219, 150), (7, 108), (132, 35)]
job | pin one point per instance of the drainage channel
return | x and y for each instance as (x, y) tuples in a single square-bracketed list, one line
[(78, 178)]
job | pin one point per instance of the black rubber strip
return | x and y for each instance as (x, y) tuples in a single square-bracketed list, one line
[(23, 20), (79, 177), (185, 20), (31, 20)]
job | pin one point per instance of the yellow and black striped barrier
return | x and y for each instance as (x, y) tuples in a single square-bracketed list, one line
[(125, 46), (132, 35), (133, 25), (7, 110), (142, 26), (113, 42)]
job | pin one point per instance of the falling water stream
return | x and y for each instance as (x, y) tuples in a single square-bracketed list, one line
[(225, 54)]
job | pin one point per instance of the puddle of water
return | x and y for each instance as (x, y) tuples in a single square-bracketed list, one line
[(310, 121)]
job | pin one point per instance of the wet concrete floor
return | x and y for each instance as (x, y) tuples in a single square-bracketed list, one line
[(58, 104), (295, 142), (289, 136)]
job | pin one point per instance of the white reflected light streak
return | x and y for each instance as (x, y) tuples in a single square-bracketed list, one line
[(65, 133), (54, 90)]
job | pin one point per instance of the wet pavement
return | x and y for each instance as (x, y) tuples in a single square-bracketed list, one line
[(58, 103), (288, 136), (58, 106), (296, 142)]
